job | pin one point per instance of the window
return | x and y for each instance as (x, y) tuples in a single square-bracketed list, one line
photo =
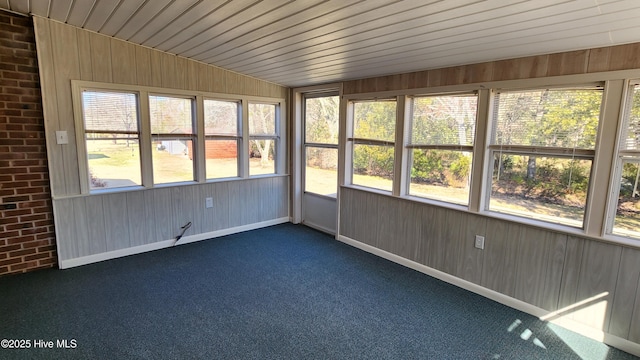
[(263, 135), (440, 147), (627, 210), (373, 141), (112, 138), (222, 139), (173, 138), (542, 147), (321, 144)]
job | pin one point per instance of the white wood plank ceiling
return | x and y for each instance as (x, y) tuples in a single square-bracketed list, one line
[(306, 42)]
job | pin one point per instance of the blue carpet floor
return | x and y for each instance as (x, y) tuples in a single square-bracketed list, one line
[(283, 292)]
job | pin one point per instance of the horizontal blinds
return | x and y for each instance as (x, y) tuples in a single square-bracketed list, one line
[(221, 117), (110, 112), (444, 120), (554, 118), (170, 115)]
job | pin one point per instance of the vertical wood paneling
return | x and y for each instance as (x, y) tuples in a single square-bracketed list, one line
[(625, 296), (47, 70), (156, 68), (84, 55), (65, 229), (522, 68), (435, 231), (496, 255), (140, 220), (143, 66), (95, 224), (571, 272), (531, 265), (283, 191), (123, 56), (625, 57), (160, 201), (233, 83), (221, 206), (168, 71), (634, 332), (205, 82), (192, 75), (555, 255), (478, 73), (470, 259), (237, 215), (182, 199), (100, 57), (598, 274), (81, 229), (182, 73), (65, 57), (116, 220), (452, 241), (573, 62), (599, 59)]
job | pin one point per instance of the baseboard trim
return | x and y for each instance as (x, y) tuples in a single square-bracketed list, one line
[(85, 260), (612, 340)]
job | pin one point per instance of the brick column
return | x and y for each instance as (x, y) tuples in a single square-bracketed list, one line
[(27, 239)]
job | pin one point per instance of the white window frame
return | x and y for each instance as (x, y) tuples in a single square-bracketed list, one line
[(143, 92), (237, 137), (408, 146), (277, 137), (621, 156)]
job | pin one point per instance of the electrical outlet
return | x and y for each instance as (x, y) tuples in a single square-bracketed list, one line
[(479, 242), (209, 202)]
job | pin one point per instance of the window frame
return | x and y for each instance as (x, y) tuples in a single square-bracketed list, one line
[(277, 137), (409, 147), (621, 156), (218, 137), (352, 140), (193, 137), (306, 145), (143, 92)]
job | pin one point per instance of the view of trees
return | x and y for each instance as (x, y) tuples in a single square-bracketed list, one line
[(262, 122), (545, 121)]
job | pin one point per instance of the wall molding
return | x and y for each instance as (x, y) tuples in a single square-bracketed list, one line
[(572, 325), (85, 260)]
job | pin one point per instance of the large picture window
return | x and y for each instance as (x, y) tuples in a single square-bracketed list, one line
[(112, 138), (542, 148), (173, 138), (222, 138), (627, 208), (373, 142), (440, 147)]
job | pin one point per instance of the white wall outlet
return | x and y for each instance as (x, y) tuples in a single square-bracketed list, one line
[(209, 202), (62, 137), (479, 242)]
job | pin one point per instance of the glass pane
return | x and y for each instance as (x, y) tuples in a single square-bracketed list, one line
[(321, 120), (170, 115), (632, 139), (321, 172), (113, 162), (375, 120), (262, 119), (172, 160), (548, 118), (441, 175), (106, 111), (543, 188), (373, 166), (627, 221), (220, 117), (444, 120), (222, 158), (261, 157)]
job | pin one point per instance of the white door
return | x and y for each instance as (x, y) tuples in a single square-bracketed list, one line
[(320, 160)]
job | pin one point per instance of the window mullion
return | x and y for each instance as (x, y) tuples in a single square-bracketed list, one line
[(199, 145), (478, 165), (399, 151), (604, 160), (145, 140)]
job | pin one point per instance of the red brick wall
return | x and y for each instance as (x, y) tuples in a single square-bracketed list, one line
[(27, 239)]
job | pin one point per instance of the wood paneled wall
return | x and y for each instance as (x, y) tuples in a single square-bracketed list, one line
[(96, 224), (91, 225), (68, 53), (612, 58), (547, 269)]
